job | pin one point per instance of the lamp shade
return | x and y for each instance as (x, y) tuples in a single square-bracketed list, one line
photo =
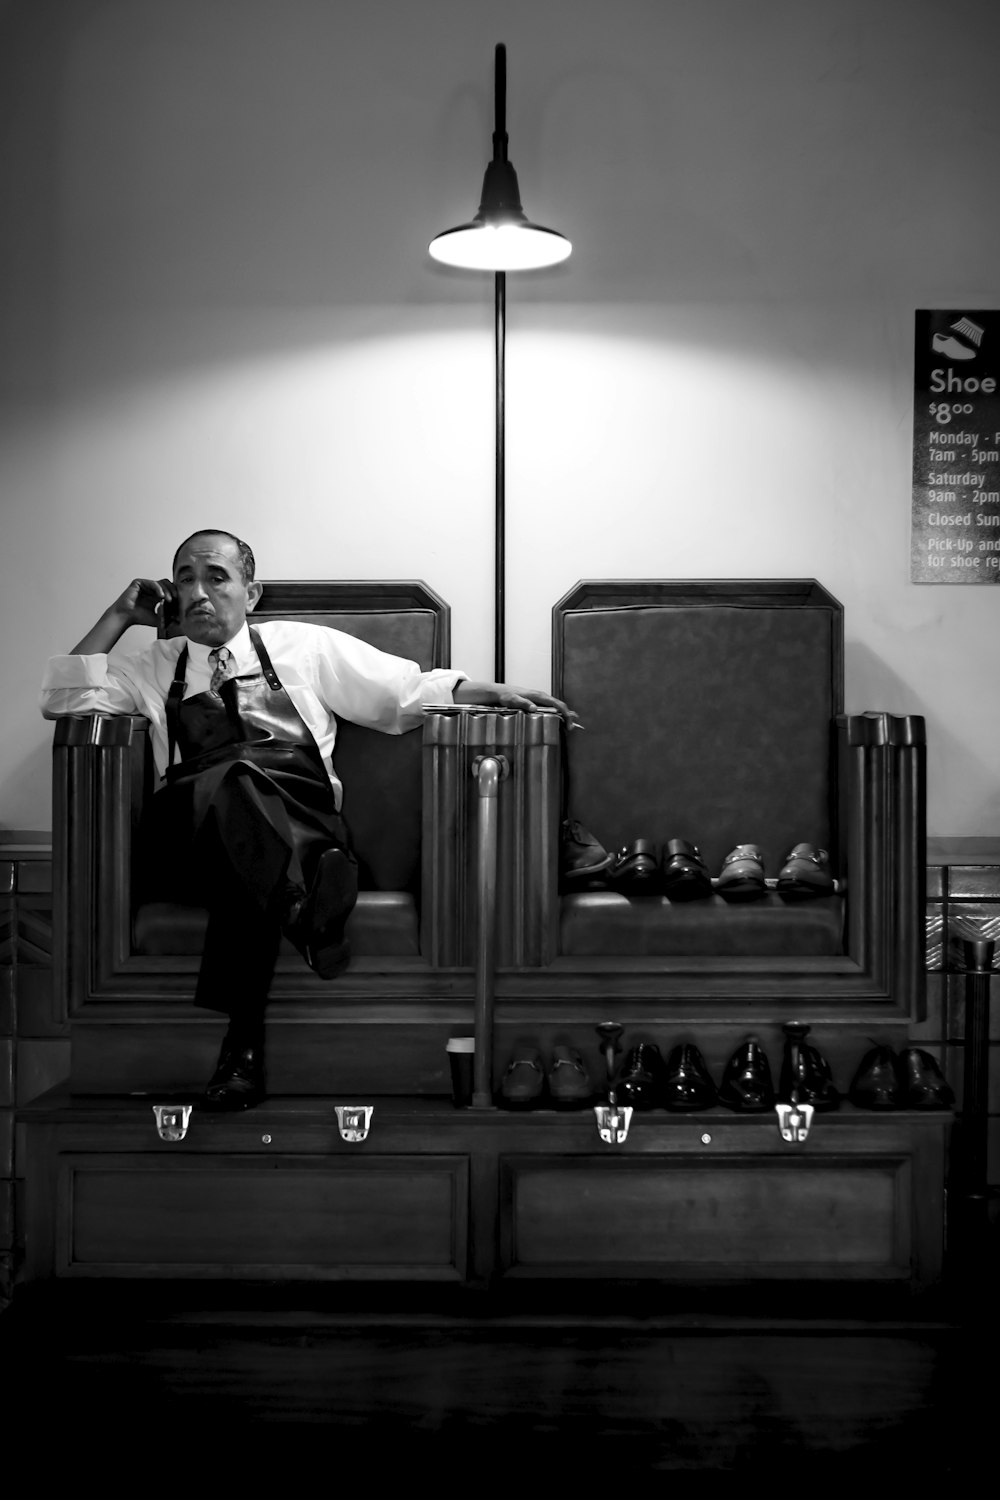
[(500, 237)]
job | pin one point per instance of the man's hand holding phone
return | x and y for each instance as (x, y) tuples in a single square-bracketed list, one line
[(146, 601)]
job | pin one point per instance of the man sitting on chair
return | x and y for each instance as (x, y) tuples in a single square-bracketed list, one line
[(243, 726)]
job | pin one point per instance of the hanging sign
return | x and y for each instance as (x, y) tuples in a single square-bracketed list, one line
[(955, 532)]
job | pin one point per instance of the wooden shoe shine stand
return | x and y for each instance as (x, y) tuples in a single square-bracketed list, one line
[(358, 1166)]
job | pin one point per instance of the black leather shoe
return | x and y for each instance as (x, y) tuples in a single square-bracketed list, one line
[(746, 1079), (924, 1085), (805, 1073), (685, 875), (805, 873), (635, 871), (742, 875), (238, 1080), (876, 1082), (315, 923), (688, 1084), (640, 1082), (581, 855)]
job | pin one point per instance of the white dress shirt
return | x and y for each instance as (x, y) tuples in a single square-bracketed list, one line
[(325, 673)]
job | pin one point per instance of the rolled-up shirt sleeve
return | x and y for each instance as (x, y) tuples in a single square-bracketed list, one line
[(368, 686), (87, 685)]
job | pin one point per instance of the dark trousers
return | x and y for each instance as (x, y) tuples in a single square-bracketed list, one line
[(253, 848)]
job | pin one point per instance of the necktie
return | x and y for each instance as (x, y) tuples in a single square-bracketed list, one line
[(222, 667)]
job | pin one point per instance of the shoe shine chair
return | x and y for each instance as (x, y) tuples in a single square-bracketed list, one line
[(125, 966)]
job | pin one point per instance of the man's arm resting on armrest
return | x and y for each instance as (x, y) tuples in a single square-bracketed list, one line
[(502, 695)]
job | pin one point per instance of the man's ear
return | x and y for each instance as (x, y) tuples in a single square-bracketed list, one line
[(254, 591)]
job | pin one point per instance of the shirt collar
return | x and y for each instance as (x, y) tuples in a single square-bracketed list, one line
[(240, 645)]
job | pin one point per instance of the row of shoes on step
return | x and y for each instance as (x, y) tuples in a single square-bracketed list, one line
[(883, 1079), (678, 871)]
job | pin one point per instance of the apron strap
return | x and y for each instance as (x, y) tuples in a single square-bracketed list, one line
[(265, 661), (173, 704)]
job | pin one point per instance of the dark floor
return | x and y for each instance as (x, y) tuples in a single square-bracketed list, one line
[(586, 1385)]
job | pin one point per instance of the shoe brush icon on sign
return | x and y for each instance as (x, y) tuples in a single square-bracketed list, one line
[(951, 348)]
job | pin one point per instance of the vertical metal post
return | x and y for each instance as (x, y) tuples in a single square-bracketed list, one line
[(489, 771), (500, 522), (977, 954)]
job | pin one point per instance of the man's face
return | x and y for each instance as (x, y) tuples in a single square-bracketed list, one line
[(212, 598)]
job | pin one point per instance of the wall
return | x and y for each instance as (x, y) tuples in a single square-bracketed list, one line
[(216, 307)]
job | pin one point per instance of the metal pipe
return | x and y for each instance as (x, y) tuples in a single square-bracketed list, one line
[(500, 482), (978, 956), (489, 771)]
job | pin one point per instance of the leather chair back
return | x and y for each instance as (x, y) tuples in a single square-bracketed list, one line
[(381, 773), (709, 710)]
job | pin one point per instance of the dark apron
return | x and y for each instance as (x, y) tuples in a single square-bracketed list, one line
[(251, 721)]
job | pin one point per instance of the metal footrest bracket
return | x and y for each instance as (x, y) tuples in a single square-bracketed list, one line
[(172, 1120), (794, 1121), (613, 1121), (354, 1121)]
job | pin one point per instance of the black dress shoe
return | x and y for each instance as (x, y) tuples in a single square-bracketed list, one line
[(805, 873), (315, 923), (635, 871), (805, 1073), (581, 855), (742, 875), (640, 1082), (746, 1080), (685, 875), (238, 1080), (876, 1082), (688, 1084), (924, 1085)]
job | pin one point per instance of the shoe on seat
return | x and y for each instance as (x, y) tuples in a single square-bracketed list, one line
[(742, 875), (581, 855), (805, 873), (685, 874)]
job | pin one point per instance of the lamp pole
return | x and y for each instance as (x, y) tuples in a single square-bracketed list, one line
[(500, 238), (500, 499)]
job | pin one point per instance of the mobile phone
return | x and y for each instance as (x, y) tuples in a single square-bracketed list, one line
[(167, 615)]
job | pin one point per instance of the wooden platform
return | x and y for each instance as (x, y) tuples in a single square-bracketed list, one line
[(481, 1197)]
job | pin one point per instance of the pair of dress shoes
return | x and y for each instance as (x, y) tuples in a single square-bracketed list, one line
[(639, 869), (527, 1083), (805, 872), (910, 1079), (681, 1082)]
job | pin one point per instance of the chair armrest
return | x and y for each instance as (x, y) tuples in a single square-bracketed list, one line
[(100, 766), (882, 763), (528, 835)]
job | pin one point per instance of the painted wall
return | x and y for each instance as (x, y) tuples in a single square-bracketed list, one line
[(217, 308)]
